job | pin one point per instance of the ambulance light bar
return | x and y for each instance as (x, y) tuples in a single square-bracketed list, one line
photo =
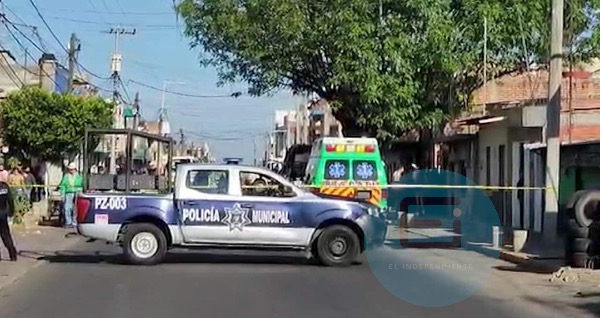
[(350, 148)]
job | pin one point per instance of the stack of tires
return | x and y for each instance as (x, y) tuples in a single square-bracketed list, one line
[(583, 236)]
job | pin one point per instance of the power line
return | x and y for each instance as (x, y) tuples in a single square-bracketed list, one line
[(34, 29), (12, 70), (106, 23), (199, 135), (12, 35), (58, 40), (24, 35), (96, 11), (232, 95)]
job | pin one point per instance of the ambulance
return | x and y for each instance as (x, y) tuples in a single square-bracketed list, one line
[(348, 168)]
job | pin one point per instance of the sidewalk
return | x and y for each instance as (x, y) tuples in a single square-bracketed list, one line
[(535, 262), (27, 240)]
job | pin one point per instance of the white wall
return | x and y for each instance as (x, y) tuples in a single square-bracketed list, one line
[(492, 136)]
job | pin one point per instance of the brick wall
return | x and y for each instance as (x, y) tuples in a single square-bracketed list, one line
[(584, 95)]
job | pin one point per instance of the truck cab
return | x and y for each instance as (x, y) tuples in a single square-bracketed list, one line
[(229, 206)]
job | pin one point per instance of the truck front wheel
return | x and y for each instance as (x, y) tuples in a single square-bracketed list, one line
[(144, 244), (338, 246)]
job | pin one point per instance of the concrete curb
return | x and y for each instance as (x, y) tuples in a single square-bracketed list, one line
[(523, 261), (32, 264), (505, 255)]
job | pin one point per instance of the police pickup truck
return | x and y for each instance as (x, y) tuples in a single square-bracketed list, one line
[(230, 206)]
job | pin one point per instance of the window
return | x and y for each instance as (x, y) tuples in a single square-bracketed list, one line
[(337, 170), (260, 185), (208, 181), (364, 170)]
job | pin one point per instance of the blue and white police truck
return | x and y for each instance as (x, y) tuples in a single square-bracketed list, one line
[(228, 206)]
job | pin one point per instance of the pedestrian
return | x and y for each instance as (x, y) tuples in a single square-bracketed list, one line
[(70, 185), (16, 179), (29, 184), (3, 174), (40, 179), (398, 174), (6, 210)]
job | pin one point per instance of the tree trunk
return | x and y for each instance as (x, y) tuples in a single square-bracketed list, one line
[(349, 126)]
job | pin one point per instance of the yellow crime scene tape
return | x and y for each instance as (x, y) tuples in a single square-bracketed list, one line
[(389, 186), (393, 186)]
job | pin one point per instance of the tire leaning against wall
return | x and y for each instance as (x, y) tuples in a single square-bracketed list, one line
[(583, 214), (577, 231)]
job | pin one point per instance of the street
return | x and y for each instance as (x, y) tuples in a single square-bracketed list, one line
[(88, 281)]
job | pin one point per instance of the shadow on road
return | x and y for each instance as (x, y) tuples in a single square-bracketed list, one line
[(97, 257), (422, 243), (592, 307), (526, 268)]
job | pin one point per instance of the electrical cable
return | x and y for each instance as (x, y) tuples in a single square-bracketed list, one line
[(232, 95), (10, 68), (249, 136), (124, 89), (14, 25), (33, 28), (41, 69), (96, 11), (39, 14), (138, 26)]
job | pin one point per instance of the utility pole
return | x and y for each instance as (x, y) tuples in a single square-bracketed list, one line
[(116, 70), (136, 109), (74, 47), (181, 143), (25, 66), (255, 158), (552, 127)]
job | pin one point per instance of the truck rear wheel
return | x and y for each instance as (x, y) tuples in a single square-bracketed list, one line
[(338, 246), (144, 244)]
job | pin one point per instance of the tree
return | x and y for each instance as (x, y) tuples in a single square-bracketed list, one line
[(387, 66), (51, 126)]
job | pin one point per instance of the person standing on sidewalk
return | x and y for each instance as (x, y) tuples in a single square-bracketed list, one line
[(29, 184), (6, 210), (3, 174), (70, 185)]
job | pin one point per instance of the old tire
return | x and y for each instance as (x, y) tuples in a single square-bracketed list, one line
[(581, 245), (144, 244), (338, 246), (575, 197), (581, 260), (577, 231), (584, 213)]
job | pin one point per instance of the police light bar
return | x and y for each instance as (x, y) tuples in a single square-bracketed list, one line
[(349, 148)]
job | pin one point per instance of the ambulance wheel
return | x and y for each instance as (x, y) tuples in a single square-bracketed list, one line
[(338, 246), (144, 244)]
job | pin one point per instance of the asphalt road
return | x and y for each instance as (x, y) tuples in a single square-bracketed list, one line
[(88, 284)]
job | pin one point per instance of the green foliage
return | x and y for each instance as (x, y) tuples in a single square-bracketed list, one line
[(51, 126), (12, 162), (410, 68)]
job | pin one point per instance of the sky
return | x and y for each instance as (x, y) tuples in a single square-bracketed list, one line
[(158, 52)]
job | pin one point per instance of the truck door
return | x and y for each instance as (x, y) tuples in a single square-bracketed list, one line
[(274, 217), (201, 204)]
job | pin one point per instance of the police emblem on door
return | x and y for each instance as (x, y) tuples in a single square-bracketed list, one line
[(236, 217)]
